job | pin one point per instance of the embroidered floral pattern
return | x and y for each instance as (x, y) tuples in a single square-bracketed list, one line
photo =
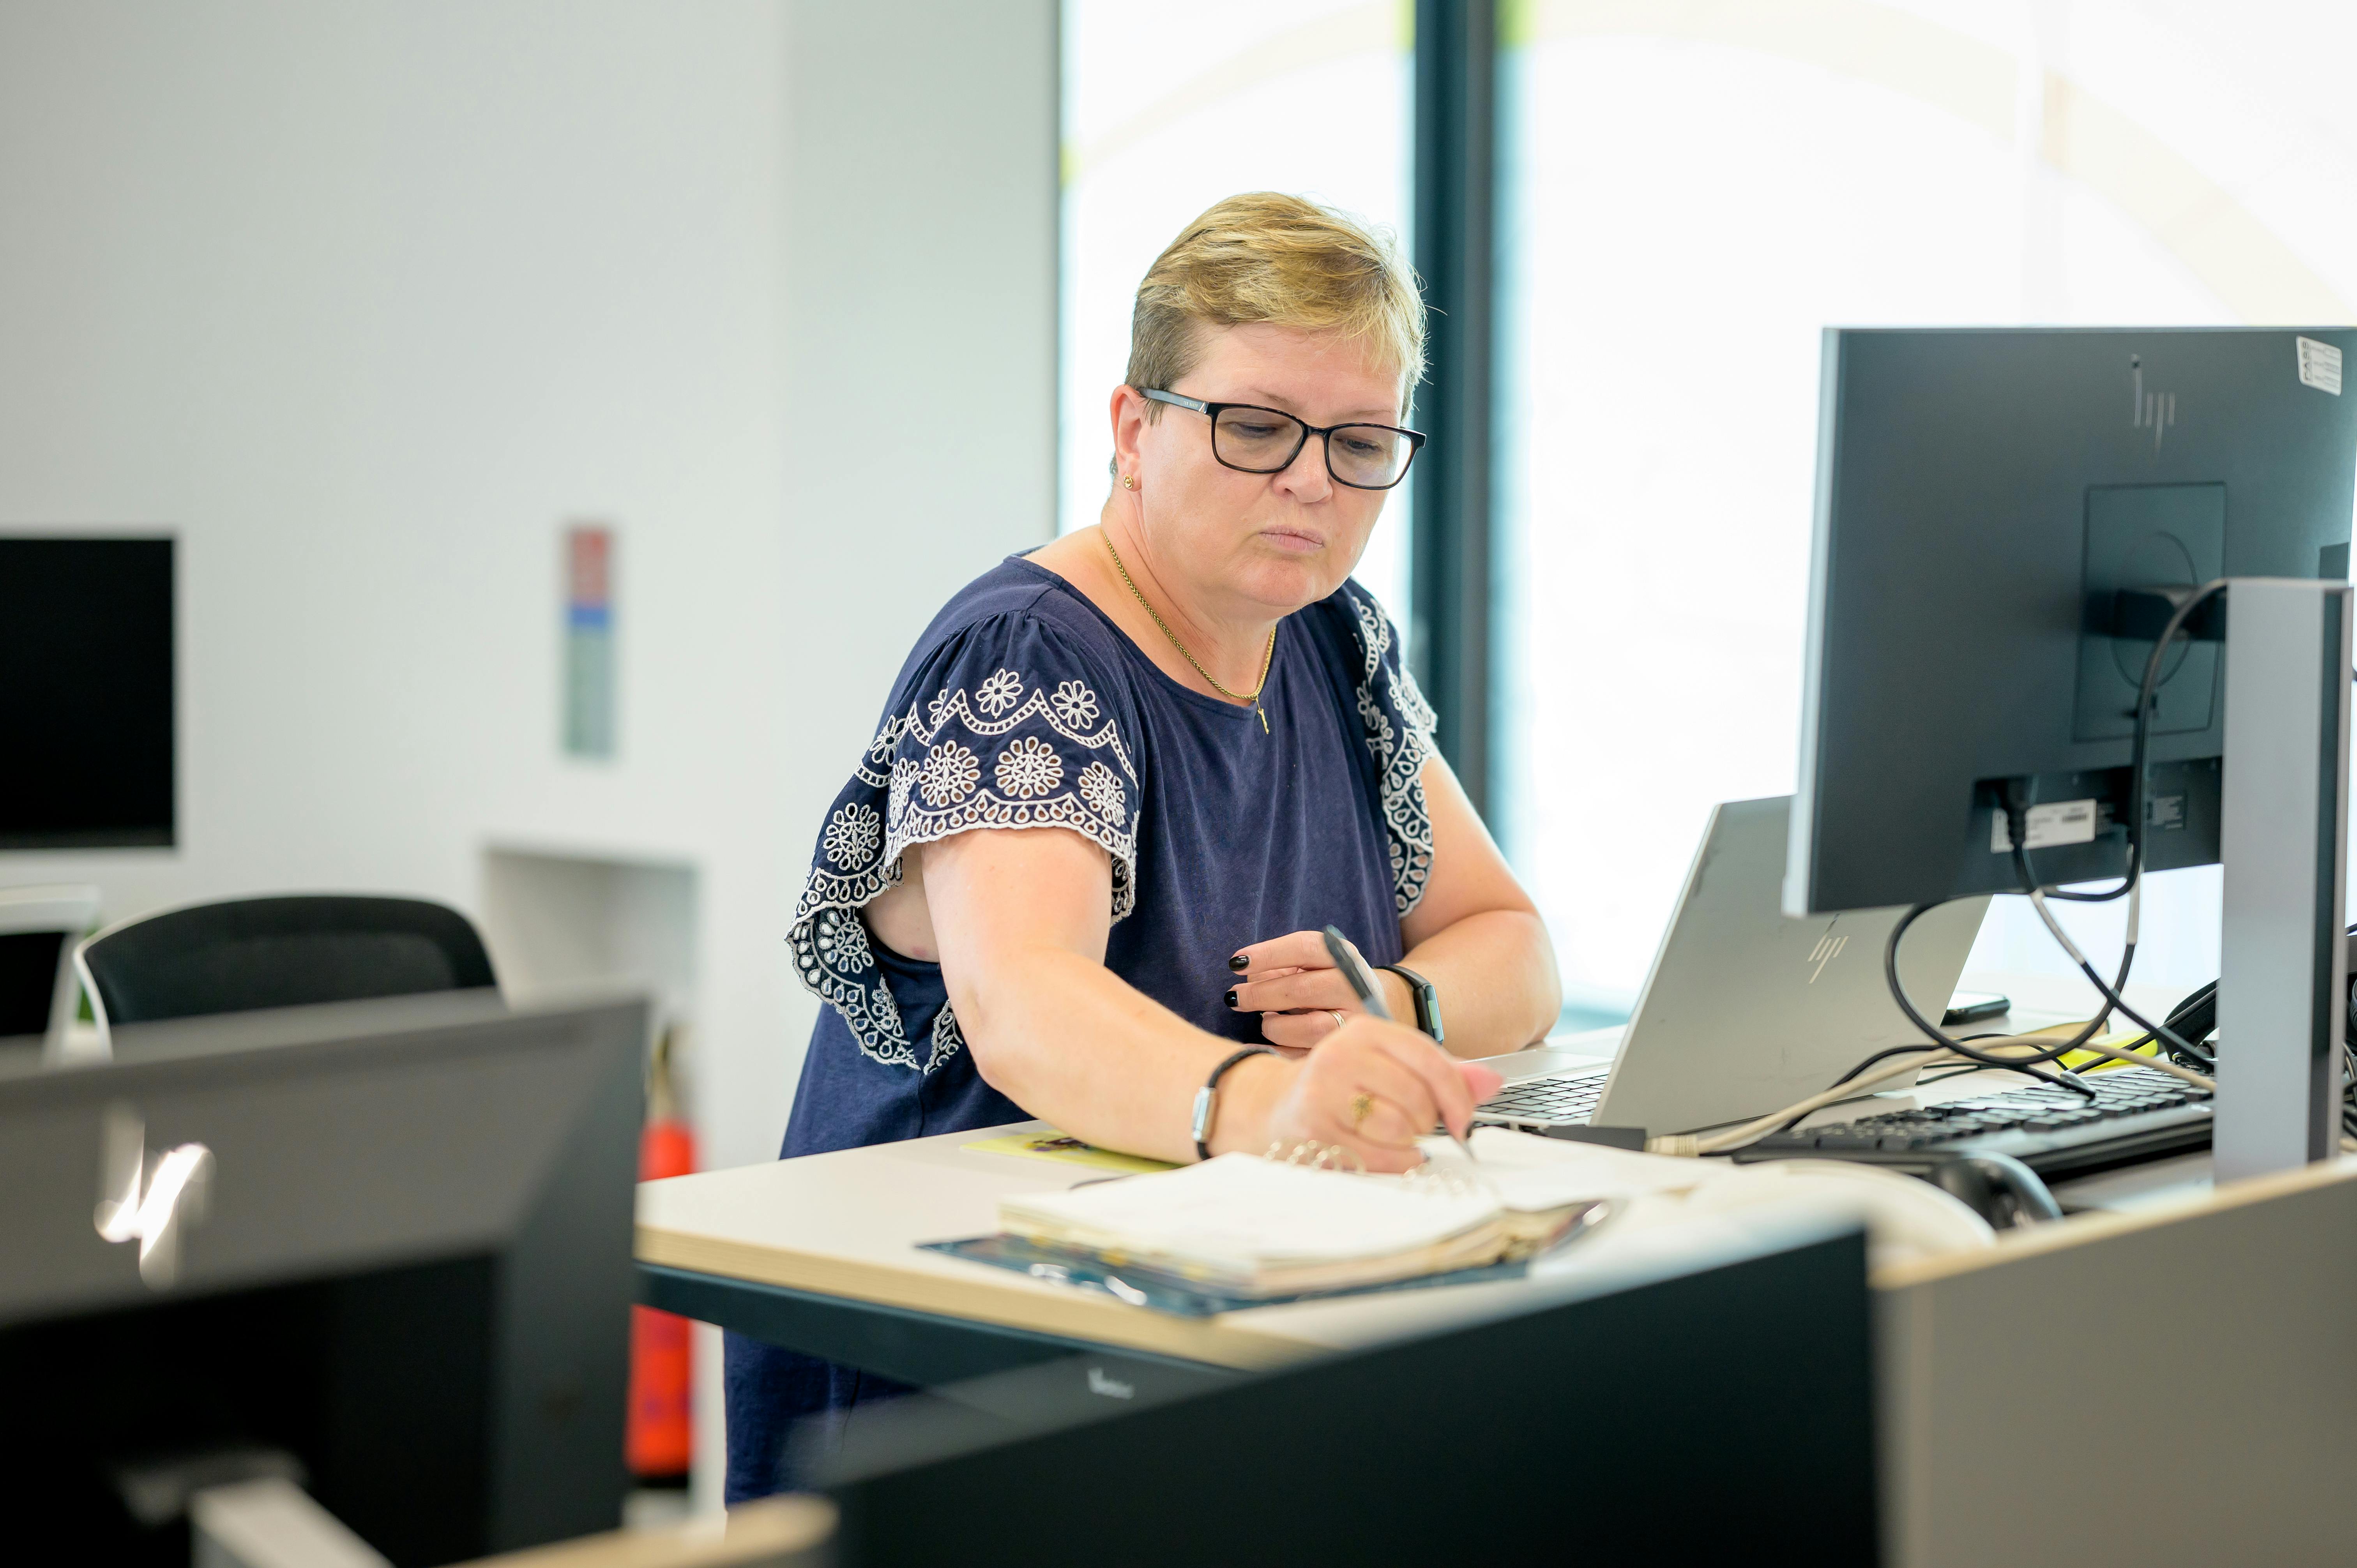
[(852, 834), (842, 941), (950, 774), (948, 1038), (998, 694), (1387, 692), (1102, 791), (1029, 769), (896, 806), (1075, 704), (928, 768)]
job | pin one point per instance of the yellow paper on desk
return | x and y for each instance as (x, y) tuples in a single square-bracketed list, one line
[(1051, 1144)]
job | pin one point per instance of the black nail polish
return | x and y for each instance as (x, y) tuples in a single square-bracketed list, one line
[(1238, 962), (1232, 999)]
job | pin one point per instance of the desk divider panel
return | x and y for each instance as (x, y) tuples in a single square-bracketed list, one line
[(2154, 1389)]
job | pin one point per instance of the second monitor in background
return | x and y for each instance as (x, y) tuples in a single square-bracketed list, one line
[(86, 692)]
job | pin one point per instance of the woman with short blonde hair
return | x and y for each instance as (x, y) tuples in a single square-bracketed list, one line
[(1123, 782)]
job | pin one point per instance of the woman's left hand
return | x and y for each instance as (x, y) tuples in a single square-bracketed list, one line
[(1301, 997)]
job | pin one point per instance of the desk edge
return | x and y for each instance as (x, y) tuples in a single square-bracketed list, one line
[(1073, 1316)]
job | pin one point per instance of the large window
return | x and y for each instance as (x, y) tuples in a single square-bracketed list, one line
[(1164, 113), (1690, 193)]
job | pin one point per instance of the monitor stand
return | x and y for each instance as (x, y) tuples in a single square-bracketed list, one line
[(2284, 805)]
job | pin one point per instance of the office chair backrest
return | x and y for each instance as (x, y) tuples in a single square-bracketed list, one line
[(247, 953), (38, 926)]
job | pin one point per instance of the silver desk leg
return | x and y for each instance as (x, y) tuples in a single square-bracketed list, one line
[(2283, 973)]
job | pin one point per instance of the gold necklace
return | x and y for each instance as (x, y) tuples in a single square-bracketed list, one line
[(1267, 656)]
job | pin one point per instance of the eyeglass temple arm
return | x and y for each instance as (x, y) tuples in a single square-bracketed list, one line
[(1157, 395)]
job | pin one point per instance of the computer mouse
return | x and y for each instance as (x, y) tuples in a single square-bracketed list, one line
[(1905, 1219)]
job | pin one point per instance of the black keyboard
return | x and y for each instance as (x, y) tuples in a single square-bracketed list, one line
[(2136, 1115), (1542, 1101)]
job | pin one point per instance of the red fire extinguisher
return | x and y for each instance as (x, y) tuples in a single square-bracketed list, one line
[(661, 1441)]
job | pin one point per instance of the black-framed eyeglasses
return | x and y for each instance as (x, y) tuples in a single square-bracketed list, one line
[(1255, 440)]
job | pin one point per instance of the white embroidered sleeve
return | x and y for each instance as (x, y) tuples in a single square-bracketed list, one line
[(1012, 737)]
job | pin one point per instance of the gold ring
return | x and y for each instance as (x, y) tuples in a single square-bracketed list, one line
[(1336, 1013), (1362, 1105)]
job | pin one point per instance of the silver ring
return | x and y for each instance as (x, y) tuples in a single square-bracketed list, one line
[(1336, 1014)]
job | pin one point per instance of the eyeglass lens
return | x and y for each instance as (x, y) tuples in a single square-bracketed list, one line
[(1262, 441)]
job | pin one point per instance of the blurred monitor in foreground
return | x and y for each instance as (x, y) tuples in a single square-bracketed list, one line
[(1723, 1400), (1983, 498), (86, 710), (381, 1249)]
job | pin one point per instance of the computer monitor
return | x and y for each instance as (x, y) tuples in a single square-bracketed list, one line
[(1982, 494), (86, 710), (1716, 1406), (400, 1269), (38, 926)]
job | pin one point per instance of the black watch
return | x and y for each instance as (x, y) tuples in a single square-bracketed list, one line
[(1428, 1001)]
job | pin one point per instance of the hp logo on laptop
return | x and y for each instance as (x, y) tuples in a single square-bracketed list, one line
[(137, 1203), (1828, 949)]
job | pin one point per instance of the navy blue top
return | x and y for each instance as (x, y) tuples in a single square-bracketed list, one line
[(1024, 706)]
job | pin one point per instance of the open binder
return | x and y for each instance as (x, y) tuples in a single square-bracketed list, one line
[(1241, 1230)]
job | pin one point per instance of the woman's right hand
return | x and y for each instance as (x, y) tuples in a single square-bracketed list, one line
[(1373, 1087)]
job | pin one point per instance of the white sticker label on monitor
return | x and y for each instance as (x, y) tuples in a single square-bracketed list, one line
[(2319, 365), (2057, 822)]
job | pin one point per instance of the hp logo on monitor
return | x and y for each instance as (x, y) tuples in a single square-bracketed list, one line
[(2149, 410)]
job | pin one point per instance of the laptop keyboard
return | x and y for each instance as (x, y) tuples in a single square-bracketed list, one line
[(1559, 1100)]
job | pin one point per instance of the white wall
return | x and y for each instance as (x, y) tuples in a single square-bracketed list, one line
[(365, 301)]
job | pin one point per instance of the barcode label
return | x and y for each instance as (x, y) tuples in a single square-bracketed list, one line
[(2057, 822), (2319, 365)]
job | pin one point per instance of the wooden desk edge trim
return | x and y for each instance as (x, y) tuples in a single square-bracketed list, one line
[(2084, 1230), (758, 1531), (981, 1300)]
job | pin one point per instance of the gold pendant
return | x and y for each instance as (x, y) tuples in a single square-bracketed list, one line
[(1263, 718)]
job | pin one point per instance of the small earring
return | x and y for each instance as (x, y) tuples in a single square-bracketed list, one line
[(1129, 481)]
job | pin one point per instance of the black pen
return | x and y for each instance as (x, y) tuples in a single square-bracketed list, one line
[(1354, 970)]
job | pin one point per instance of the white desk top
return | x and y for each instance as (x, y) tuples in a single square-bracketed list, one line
[(848, 1224)]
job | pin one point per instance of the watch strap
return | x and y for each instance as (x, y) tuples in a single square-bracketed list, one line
[(1207, 1099), (1427, 1000)]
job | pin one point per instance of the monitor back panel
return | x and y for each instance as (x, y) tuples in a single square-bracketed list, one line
[(1980, 495)]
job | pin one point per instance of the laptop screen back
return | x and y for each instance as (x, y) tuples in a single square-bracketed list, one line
[(1745, 1010)]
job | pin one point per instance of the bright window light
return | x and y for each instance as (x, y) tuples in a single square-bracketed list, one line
[(1160, 121), (1692, 192)]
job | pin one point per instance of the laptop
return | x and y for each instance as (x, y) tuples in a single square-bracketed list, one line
[(1744, 1011)]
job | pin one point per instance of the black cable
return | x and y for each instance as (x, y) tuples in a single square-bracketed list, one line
[(2195, 1055), (2112, 997), (1966, 1071), (2147, 690), (1793, 1122), (2139, 758), (2025, 1064), (1900, 1051)]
